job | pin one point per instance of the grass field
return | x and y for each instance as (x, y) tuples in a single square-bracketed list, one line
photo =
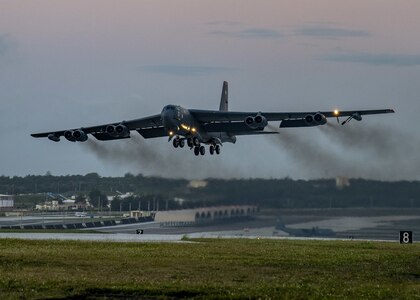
[(218, 268)]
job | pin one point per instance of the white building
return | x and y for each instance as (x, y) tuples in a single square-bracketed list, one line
[(205, 214), (55, 205), (6, 202)]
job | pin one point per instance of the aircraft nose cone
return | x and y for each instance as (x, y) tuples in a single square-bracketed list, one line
[(168, 120)]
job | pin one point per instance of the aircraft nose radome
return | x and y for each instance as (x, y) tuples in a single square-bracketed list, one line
[(167, 120)]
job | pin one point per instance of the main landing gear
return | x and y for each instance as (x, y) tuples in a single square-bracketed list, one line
[(202, 150), (214, 148), (194, 143), (177, 142)]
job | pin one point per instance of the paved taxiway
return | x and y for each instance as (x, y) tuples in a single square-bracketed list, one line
[(119, 237), (383, 224)]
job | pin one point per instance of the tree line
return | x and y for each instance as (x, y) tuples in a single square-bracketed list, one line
[(177, 193)]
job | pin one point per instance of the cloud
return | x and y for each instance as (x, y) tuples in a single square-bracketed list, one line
[(331, 32), (183, 70), (249, 33), (223, 23), (375, 59)]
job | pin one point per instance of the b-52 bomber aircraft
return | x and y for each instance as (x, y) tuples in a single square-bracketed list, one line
[(197, 128)]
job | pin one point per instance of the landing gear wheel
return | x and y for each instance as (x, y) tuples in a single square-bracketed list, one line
[(202, 150), (181, 143), (211, 149), (217, 149), (196, 142), (190, 142), (175, 143), (196, 151)]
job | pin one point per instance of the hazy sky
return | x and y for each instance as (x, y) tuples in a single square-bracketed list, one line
[(65, 64)]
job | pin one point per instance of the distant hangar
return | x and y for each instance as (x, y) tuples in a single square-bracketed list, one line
[(7, 202), (204, 215)]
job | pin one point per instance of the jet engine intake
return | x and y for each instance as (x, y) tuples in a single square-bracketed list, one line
[(320, 119), (309, 119), (80, 136), (315, 120), (250, 122), (119, 131), (69, 136), (122, 130), (110, 129), (257, 122)]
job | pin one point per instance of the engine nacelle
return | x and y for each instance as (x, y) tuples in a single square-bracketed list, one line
[(80, 136), (110, 129), (117, 131), (122, 130), (53, 137), (257, 122), (69, 135), (250, 122), (260, 120), (315, 120), (357, 117), (320, 119), (309, 120)]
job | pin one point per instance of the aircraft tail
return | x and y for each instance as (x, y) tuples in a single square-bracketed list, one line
[(224, 99)]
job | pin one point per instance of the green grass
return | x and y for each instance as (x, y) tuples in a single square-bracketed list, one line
[(218, 268)]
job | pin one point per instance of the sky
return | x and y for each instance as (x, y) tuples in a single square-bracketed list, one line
[(69, 64)]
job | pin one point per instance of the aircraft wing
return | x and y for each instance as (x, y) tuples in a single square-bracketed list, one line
[(206, 116), (234, 128), (100, 133)]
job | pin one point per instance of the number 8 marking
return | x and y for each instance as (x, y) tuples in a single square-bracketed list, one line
[(406, 237)]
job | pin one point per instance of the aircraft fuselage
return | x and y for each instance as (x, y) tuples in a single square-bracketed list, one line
[(178, 121)]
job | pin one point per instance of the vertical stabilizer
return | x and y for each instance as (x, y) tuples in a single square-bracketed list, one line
[(224, 99)]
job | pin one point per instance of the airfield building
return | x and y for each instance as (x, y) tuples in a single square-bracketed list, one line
[(204, 215), (7, 202)]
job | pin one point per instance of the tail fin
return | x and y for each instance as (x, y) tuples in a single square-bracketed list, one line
[(224, 99)]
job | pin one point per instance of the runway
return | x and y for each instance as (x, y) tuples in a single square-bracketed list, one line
[(98, 237), (158, 238), (374, 225)]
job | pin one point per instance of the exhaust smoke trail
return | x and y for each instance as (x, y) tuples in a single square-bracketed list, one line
[(354, 151), (310, 153), (391, 153), (150, 159)]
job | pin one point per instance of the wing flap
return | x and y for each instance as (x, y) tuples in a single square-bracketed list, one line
[(149, 133), (295, 123), (228, 127), (103, 136)]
